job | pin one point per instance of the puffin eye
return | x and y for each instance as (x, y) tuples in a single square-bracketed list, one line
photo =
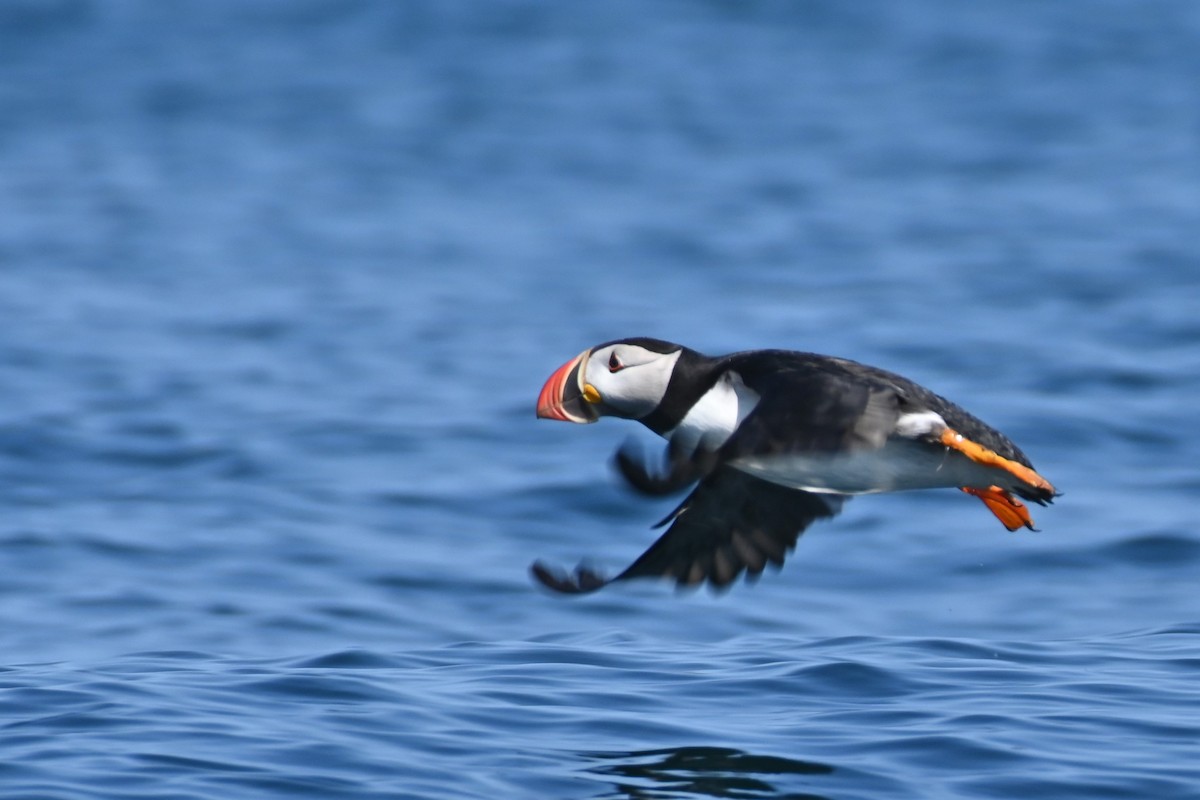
[(614, 363)]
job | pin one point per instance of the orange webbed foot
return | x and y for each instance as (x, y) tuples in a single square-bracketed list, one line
[(1008, 509)]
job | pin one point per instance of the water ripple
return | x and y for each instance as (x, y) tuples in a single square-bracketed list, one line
[(279, 283), (908, 707)]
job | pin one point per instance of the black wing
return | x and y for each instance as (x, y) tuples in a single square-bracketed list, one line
[(806, 410), (830, 391), (731, 523)]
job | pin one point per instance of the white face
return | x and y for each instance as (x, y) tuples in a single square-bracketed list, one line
[(630, 380)]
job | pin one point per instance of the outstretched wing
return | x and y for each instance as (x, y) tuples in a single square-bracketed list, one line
[(731, 523)]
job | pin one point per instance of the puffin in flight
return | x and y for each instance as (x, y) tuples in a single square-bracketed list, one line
[(774, 440)]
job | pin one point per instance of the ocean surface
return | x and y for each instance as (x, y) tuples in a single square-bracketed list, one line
[(280, 282)]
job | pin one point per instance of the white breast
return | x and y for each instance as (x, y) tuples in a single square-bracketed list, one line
[(716, 415)]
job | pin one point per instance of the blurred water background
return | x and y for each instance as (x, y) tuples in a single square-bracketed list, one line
[(279, 283)]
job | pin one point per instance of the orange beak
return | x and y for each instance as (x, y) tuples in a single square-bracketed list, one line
[(562, 397)]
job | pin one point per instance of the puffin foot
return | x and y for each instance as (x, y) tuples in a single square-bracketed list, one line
[(1008, 509)]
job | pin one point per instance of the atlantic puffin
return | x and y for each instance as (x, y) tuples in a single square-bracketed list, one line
[(773, 440)]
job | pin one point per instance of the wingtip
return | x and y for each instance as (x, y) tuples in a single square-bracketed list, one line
[(583, 581), (630, 462), (683, 468)]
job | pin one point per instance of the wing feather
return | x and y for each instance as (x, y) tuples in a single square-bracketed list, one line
[(732, 523)]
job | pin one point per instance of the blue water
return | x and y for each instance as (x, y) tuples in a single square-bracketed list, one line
[(279, 283)]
